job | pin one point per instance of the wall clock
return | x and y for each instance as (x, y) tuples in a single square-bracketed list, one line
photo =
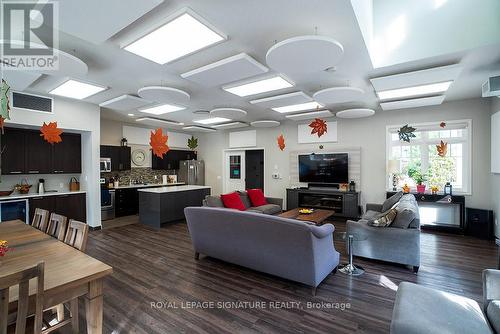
[(138, 157)]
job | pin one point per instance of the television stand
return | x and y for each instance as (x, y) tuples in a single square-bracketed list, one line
[(343, 203), (319, 186)]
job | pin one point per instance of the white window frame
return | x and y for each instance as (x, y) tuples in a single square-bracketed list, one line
[(435, 126)]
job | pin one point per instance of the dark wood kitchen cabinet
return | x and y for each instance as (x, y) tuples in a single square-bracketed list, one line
[(25, 152), (13, 157), (67, 155), (38, 154), (120, 157), (126, 202), (72, 206), (171, 159)]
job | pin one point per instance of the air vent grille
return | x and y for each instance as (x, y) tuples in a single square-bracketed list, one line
[(31, 102)]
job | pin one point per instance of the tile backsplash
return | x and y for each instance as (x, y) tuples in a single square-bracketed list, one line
[(140, 174)]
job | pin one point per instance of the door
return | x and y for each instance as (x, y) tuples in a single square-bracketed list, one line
[(38, 154), (254, 169), (13, 155), (234, 171)]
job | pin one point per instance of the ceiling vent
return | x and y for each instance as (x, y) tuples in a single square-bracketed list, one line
[(32, 102), (491, 87)]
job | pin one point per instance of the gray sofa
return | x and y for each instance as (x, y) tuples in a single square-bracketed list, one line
[(278, 246), (273, 207), (420, 309), (398, 243)]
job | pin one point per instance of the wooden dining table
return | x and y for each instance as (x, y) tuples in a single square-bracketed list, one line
[(69, 273)]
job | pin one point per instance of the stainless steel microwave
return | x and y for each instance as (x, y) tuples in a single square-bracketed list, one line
[(105, 165)]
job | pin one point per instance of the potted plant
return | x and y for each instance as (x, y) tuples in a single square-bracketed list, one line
[(416, 174)]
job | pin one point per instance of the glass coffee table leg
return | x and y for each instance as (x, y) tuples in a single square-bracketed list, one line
[(350, 268)]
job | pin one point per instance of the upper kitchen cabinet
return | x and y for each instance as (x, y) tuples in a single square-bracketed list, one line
[(119, 155), (171, 159), (25, 152), (13, 157), (67, 155)]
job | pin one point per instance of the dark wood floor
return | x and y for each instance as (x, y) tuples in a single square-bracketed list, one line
[(151, 266)]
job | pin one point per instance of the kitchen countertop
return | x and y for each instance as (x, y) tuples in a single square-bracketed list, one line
[(30, 195), (149, 185), (172, 189)]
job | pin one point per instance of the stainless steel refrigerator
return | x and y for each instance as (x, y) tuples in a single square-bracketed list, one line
[(192, 172)]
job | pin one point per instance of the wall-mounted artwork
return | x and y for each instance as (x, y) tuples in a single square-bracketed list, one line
[(305, 136)]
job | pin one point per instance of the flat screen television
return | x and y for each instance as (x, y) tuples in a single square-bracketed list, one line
[(324, 168)]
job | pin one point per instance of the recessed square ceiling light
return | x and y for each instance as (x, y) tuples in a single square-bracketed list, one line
[(157, 120), (198, 128), (76, 89), (161, 109), (434, 88), (298, 107), (260, 86), (185, 34), (213, 120)]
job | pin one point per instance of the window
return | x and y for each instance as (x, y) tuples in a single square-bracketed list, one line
[(421, 154)]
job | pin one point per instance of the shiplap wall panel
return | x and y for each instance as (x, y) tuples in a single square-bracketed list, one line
[(354, 168)]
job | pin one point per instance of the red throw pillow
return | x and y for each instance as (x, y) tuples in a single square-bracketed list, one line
[(233, 201), (256, 197)]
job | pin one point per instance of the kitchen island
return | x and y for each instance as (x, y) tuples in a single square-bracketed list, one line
[(166, 204)]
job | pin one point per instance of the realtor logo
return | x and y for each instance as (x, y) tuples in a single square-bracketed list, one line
[(29, 35)]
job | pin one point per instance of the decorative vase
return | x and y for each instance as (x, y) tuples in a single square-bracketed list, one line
[(420, 188)]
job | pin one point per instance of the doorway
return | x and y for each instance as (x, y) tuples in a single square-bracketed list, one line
[(243, 169)]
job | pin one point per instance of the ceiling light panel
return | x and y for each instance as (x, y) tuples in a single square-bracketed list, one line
[(258, 87), (76, 89), (161, 109), (413, 103), (212, 120), (298, 107), (282, 100), (238, 67), (185, 34), (310, 115), (428, 89), (124, 103)]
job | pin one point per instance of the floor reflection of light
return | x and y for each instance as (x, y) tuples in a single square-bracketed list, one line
[(385, 282), (428, 215)]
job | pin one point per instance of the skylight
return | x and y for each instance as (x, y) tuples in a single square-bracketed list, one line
[(161, 109), (257, 87), (298, 107), (76, 89), (414, 91), (213, 120), (182, 36)]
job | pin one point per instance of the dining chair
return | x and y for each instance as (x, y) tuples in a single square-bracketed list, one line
[(77, 233), (57, 226), (22, 278), (40, 219)]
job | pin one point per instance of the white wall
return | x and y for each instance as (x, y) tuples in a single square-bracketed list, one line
[(370, 135), (495, 178), (81, 117)]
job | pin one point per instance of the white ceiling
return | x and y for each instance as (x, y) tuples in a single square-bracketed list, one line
[(252, 27)]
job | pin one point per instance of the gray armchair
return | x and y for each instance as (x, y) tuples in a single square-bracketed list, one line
[(419, 309), (399, 243)]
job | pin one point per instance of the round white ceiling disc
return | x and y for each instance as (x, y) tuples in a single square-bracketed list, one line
[(162, 94), (355, 113), (338, 95), (304, 54), (265, 124), (231, 113)]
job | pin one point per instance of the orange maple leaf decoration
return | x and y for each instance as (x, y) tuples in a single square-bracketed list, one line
[(51, 133), (281, 142), (442, 149), (2, 123), (158, 143), (318, 126), (442, 124)]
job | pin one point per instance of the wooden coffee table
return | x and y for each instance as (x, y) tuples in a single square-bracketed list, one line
[(318, 217)]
